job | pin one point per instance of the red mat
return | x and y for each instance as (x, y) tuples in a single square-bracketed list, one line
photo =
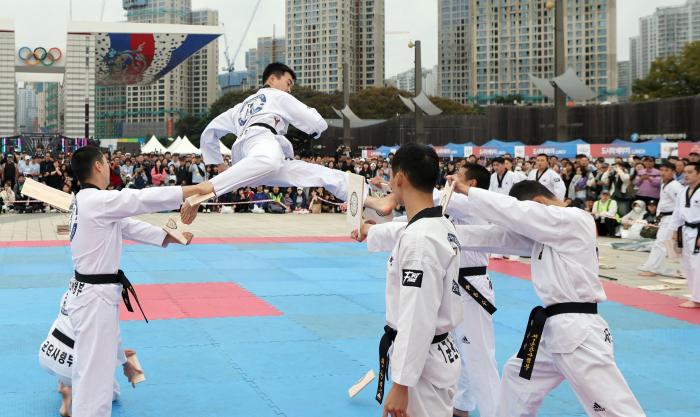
[(196, 301), (661, 304)]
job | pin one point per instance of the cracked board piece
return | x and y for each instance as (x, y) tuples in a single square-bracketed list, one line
[(175, 228), (49, 195), (199, 198), (134, 361), (674, 281), (445, 196), (361, 384), (356, 193)]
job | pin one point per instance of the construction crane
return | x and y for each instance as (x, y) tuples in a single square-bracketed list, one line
[(230, 62)]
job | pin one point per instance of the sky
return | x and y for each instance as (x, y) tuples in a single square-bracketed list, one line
[(417, 17)]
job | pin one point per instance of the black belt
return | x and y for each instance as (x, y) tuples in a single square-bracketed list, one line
[(665, 213), (384, 345), (535, 327), (266, 126), (60, 336), (695, 226), (118, 278), (469, 288)]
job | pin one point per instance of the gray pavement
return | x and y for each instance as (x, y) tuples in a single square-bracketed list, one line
[(621, 265)]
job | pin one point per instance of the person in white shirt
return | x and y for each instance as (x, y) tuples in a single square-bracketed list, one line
[(423, 303), (25, 166), (565, 339), (262, 155), (99, 220), (502, 178), (479, 380), (547, 177), (686, 220), (670, 191)]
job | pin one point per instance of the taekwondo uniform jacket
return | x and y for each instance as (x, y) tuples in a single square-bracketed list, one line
[(503, 185), (551, 180), (268, 106)]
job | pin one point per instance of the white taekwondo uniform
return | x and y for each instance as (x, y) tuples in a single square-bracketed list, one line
[(422, 307), (259, 152), (667, 202), (575, 343), (479, 381), (98, 223), (551, 180), (504, 184), (686, 219)]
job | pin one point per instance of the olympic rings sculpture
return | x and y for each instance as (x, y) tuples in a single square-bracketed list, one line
[(39, 56)]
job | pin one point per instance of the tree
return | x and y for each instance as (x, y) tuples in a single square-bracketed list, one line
[(674, 76)]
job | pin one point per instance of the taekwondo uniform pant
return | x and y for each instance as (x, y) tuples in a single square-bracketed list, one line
[(691, 263), (93, 311), (259, 159), (434, 393), (479, 381), (590, 370), (655, 261)]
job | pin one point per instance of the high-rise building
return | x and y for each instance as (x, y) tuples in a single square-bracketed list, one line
[(623, 79), (204, 67), (488, 49), (256, 59), (188, 89), (79, 85), (322, 35), (406, 81), (47, 106), (663, 34), (8, 96), (26, 109)]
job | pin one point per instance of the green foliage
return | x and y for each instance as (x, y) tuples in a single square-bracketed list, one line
[(675, 76)]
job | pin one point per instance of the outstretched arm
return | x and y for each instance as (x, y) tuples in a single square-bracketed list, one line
[(304, 118), (221, 126)]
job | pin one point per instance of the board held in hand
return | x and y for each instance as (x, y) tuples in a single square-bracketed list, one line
[(134, 361), (175, 228), (49, 195), (446, 195), (356, 193), (199, 198)]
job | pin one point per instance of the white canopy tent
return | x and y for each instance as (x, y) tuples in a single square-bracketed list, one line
[(224, 150), (174, 144), (184, 147), (153, 146)]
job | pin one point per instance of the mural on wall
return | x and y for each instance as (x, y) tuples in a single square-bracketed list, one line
[(142, 58)]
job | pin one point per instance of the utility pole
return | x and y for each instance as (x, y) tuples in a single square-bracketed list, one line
[(560, 110), (347, 139), (420, 127)]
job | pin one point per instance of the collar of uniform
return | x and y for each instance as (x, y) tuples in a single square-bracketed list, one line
[(427, 212), (88, 185)]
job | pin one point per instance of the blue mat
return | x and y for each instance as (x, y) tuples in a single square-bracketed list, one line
[(299, 364)]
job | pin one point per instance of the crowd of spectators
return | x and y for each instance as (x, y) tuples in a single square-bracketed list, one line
[(619, 193)]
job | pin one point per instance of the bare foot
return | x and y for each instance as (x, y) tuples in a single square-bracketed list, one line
[(66, 399), (382, 205), (647, 274), (689, 304)]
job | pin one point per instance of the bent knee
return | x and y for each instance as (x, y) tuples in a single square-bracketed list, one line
[(269, 163)]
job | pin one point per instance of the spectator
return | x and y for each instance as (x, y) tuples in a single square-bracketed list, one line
[(617, 179), (54, 179), (35, 168), (10, 171), (46, 166), (605, 213), (241, 198), (633, 221), (184, 177), (314, 203), (172, 175), (261, 194), (198, 170), (159, 174), (288, 201), (588, 204), (276, 205), (680, 167), (299, 200), (115, 178), (648, 181), (25, 166), (650, 217), (126, 170), (7, 198), (578, 185)]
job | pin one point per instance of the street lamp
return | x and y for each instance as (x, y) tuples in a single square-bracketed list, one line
[(560, 122), (420, 128)]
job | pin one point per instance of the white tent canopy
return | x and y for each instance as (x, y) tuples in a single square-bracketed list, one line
[(224, 150), (153, 146), (184, 147), (175, 144)]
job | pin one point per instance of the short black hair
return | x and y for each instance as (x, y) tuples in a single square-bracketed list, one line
[(581, 155), (542, 154), (529, 189), (668, 165), (478, 173), (695, 165), (82, 161), (419, 163), (498, 159), (277, 69)]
